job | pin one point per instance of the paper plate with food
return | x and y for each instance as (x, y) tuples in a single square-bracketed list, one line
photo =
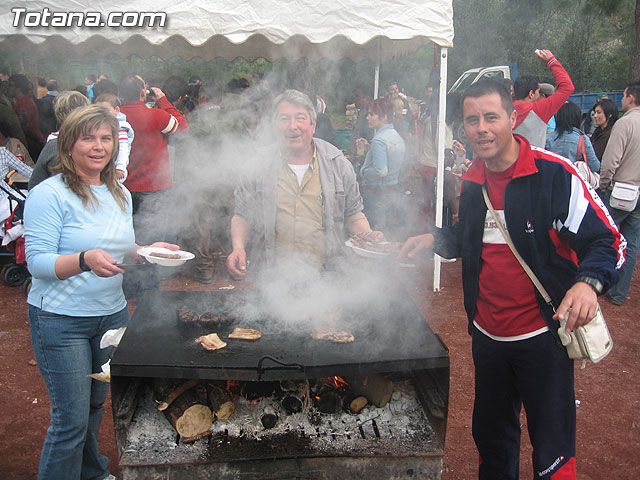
[(365, 246), (164, 256)]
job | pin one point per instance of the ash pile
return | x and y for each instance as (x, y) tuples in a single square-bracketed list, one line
[(227, 420)]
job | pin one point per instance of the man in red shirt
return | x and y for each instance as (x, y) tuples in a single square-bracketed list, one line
[(149, 177), (27, 112), (564, 233), (533, 112)]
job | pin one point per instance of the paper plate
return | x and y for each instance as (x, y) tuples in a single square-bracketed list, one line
[(165, 262), (363, 252)]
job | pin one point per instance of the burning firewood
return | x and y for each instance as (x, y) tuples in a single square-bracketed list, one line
[(269, 418), (354, 403), (291, 404), (189, 413), (375, 387), (253, 391), (166, 390), (195, 437), (220, 401), (328, 401)]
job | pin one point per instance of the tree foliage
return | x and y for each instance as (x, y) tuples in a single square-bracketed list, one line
[(594, 39)]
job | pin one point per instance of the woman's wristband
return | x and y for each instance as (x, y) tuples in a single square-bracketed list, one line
[(83, 266)]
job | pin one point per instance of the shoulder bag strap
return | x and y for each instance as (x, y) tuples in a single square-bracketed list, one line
[(582, 153), (507, 237)]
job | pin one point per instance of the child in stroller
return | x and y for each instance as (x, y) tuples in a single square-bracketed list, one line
[(12, 201)]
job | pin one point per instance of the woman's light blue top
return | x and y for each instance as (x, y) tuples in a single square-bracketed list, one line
[(57, 223), (384, 159)]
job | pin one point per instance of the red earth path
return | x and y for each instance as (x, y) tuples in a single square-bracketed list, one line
[(608, 441)]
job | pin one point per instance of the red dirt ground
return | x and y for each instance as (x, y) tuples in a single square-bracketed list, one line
[(608, 430)]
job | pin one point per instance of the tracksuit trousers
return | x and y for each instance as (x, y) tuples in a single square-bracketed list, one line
[(535, 372)]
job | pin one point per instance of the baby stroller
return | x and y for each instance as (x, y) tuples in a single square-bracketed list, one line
[(14, 273)]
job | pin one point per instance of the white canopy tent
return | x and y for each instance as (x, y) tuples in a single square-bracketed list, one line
[(271, 29)]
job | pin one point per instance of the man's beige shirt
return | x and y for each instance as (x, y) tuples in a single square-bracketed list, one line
[(299, 225), (299, 216)]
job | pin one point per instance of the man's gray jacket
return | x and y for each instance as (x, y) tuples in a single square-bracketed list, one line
[(256, 199)]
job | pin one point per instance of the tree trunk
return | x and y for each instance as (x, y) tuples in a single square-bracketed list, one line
[(634, 71)]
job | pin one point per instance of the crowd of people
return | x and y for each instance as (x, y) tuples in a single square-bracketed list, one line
[(254, 172)]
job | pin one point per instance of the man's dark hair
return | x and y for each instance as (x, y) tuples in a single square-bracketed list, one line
[(175, 87), (130, 87), (105, 86), (42, 82), (610, 109), (525, 84), (91, 77), (52, 85), (487, 87), (568, 117), (195, 79), (20, 81), (633, 88)]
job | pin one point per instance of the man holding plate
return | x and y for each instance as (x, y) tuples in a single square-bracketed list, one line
[(562, 230)]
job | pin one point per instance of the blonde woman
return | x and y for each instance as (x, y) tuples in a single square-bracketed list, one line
[(78, 226)]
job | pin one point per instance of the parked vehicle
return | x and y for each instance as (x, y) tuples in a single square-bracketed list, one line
[(585, 100)]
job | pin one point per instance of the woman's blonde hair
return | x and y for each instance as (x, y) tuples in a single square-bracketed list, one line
[(80, 122), (66, 102)]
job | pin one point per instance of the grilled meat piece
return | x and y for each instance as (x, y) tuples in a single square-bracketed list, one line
[(338, 336), (216, 319), (364, 240), (211, 341), (172, 256), (185, 315), (245, 334)]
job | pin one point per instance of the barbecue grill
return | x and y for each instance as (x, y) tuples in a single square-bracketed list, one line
[(390, 338)]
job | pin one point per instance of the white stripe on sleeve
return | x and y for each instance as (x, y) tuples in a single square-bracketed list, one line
[(171, 127)]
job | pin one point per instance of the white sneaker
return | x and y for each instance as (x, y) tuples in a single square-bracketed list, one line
[(110, 477)]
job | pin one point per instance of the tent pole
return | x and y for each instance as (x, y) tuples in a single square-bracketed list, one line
[(376, 76), (442, 110)]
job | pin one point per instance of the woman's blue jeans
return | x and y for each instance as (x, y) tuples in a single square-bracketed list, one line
[(629, 224), (67, 350)]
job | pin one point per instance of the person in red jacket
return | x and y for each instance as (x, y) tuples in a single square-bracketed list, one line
[(149, 177), (533, 112), (27, 112)]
